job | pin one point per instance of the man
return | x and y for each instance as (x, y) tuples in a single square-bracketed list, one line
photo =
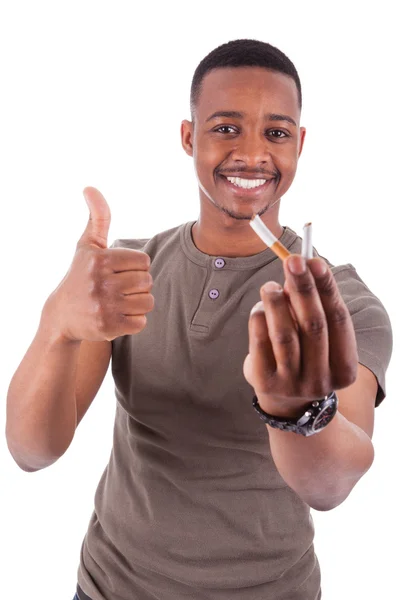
[(201, 498)]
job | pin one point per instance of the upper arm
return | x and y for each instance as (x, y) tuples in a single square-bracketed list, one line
[(372, 328), (357, 402), (92, 366)]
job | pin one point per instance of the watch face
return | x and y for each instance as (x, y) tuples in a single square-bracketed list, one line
[(324, 417)]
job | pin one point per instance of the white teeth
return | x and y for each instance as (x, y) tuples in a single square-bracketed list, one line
[(246, 183)]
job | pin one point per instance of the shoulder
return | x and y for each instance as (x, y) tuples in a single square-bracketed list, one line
[(358, 296), (150, 244), (370, 320)]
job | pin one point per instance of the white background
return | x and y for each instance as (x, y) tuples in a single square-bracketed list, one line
[(93, 93)]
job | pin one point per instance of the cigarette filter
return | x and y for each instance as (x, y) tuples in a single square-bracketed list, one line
[(268, 237)]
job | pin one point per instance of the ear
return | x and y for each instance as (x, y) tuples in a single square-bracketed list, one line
[(187, 137), (302, 136)]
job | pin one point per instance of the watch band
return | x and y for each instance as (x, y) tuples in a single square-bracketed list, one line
[(316, 417)]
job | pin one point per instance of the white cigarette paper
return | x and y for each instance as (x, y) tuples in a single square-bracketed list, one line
[(268, 238), (306, 246), (262, 231)]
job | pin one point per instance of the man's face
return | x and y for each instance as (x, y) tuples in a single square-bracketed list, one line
[(242, 129)]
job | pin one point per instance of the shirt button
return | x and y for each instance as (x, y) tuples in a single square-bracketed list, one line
[(213, 294), (219, 263)]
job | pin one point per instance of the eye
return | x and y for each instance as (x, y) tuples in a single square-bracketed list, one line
[(225, 128), (281, 134)]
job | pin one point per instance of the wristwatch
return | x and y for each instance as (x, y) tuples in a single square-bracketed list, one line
[(316, 417)]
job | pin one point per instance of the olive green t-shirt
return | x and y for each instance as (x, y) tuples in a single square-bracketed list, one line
[(191, 505)]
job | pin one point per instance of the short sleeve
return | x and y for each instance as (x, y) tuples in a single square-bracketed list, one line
[(371, 324), (133, 244)]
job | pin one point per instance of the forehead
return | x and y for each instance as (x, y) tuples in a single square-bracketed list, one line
[(249, 90)]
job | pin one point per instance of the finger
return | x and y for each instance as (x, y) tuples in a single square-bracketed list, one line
[(343, 355), (131, 282), (282, 331), (260, 348), (128, 325), (286, 292), (96, 232), (313, 329), (126, 259), (136, 304)]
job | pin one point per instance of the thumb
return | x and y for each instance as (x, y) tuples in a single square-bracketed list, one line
[(96, 231)]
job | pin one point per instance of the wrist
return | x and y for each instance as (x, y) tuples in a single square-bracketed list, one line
[(317, 414), (50, 324), (283, 407)]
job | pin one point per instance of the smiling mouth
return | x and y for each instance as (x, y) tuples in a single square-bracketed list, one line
[(246, 183), (247, 186)]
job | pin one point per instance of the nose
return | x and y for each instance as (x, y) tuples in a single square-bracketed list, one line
[(252, 149)]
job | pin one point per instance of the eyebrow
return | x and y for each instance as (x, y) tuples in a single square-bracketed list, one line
[(233, 114)]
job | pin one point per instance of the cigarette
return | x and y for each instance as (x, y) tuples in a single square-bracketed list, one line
[(268, 237), (306, 246)]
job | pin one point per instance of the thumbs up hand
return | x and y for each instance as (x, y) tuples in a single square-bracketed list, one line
[(96, 232), (106, 291)]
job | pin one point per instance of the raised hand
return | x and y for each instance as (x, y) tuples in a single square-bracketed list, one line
[(106, 292), (302, 344)]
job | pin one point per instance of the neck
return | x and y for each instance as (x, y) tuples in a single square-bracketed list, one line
[(218, 234)]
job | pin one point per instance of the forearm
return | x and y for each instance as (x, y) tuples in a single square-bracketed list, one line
[(323, 468), (41, 407)]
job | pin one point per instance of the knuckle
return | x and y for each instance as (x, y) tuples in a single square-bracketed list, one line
[(314, 326), (305, 288), (145, 303), (151, 301), (145, 260), (339, 314), (149, 281), (284, 337), (259, 343), (138, 323), (142, 322), (327, 286)]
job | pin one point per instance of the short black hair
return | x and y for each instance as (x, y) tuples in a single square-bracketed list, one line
[(243, 53)]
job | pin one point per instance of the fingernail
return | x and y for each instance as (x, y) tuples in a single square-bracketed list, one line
[(257, 307), (297, 265), (318, 267), (271, 286)]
